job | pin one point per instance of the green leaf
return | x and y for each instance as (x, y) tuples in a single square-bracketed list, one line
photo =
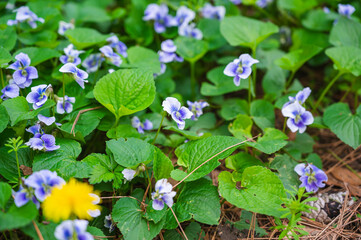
[(85, 12), (125, 91), (44, 38), (240, 161), (232, 107), (303, 143), (144, 58), (123, 131), (246, 32), (296, 6), (346, 59), (155, 215), (8, 38), (261, 190), (5, 56), (39, 55), (211, 33), (285, 167), (8, 168), (18, 109), (344, 124), (263, 114), (193, 232), (5, 190), (245, 224), (188, 134), (272, 141), (191, 49), (129, 216), (62, 160), (221, 83), (241, 127), (131, 152), (194, 153), (346, 32), (162, 165), (17, 216), (4, 118), (85, 37), (302, 38), (47, 231), (317, 20), (293, 60)]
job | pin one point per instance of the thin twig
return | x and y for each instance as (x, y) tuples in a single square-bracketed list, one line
[(235, 145), (78, 116), (102, 237), (179, 224), (38, 231)]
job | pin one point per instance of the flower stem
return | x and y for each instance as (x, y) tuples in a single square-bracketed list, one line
[(17, 164), (249, 92), (326, 90), (254, 73), (290, 78), (2, 78), (63, 93), (193, 80), (284, 125), (160, 126)]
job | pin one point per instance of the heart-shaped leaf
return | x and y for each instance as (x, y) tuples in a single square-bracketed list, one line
[(346, 59)]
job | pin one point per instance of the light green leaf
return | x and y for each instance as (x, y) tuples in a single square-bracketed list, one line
[(129, 216), (5, 190), (263, 114), (232, 107), (346, 32), (5, 56), (39, 55), (123, 131), (85, 12), (221, 83), (246, 32), (301, 38), (261, 190), (17, 217), (241, 127), (344, 124), (125, 91), (188, 134), (162, 165), (85, 37), (346, 59), (297, 6), (272, 141), (44, 38), (8, 38), (211, 33), (194, 153), (285, 167), (4, 118), (144, 58), (47, 230), (317, 20), (191, 49), (240, 161)]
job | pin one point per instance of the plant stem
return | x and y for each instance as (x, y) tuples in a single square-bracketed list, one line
[(249, 92), (284, 125), (193, 80), (290, 78), (254, 73), (326, 90), (160, 126), (2, 78), (63, 93), (17, 164), (175, 216)]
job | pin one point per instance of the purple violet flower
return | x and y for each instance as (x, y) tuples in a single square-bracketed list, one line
[(119, 46), (167, 53), (77, 74), (184, 16), (216, 12), (326, 10), (93, 62), (197, 108), (24, 195), (159, 13), (111, 56), (10, 91), (38, 95), (190, 30), (73, 229), (236, 2), (42, 182), (65, 104), (298, 117), (46, 120), (35, 130), (346, 10), (263, 3), (163, 194), (24, 14), (24, 73), (311, 177), (300, 97), (63, 26), (71, 55), (129, 174), (240, 68), (147, 125), (172, 106), (109, 223), (45, 142)]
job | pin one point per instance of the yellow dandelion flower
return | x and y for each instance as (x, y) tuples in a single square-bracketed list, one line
[(71, 199)]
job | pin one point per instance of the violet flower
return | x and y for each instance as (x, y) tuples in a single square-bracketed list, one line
[(24, 195), (10, 91), (109, 223), (45, 142), (93, 62), (147, 125), (298, 117), (24, 73), (184, 16), (129, 174), (111, 56), (167, 53), (42, 182), (236, 2), (63, 26), (240, 68), (190, 30), (172, 106), (38, 95), (300, 97), (311, 177), (77, 74), (35, 130), (71, 55), (263, 3), (159, 13), (197, 108), (119, 46), (73, 229), (24, 14), (46, 120), (65, 104), (163, 194), (346, 10), (216, 12)]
